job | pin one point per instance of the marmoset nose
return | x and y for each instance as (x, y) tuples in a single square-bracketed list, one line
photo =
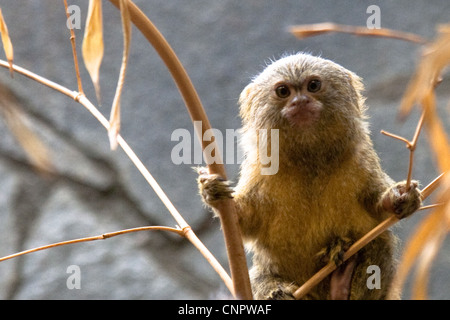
[(300, 100)]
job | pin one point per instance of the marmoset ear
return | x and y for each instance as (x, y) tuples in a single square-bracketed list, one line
[(358, 85), (246, 100)]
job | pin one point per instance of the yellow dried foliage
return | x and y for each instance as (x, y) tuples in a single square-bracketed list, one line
[(7, 44), (425, 243), (15, 119), (93, 47), (114, 119)]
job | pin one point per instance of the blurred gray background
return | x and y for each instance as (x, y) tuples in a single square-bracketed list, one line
[(222, 44)]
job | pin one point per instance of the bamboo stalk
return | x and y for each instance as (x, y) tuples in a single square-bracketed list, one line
[(227, 214)]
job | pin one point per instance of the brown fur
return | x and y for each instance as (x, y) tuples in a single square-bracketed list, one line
[(329, 189)]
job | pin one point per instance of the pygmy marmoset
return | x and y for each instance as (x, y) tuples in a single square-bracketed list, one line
[(329, 189)]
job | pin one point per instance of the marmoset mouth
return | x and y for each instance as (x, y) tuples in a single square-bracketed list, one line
[(303, 115)]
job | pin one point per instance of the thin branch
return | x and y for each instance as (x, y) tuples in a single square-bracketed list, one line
[(371, 235), (431, 206), (418, 129), (433, 185), (93, 238), (394, 136), (74, 49), (412, 149), (411, 145), (189, 234), (227, 214), (410, 167)]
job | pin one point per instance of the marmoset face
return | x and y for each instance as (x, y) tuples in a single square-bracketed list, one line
[(302, 92), (299, 103)]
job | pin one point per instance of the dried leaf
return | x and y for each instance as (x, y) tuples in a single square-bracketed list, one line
[(14, 117), (432, 243), (421, 90), (92, 47), (425, 243), (427, 240), (309, 30), (427, 256), (7, 45), (435, 57), (114, 120), (439, 140)]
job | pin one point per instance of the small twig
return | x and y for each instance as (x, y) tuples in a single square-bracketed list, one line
[(411, 145), (74, 50), (371, 235), (412, 148), (417, 133), (394, 136)]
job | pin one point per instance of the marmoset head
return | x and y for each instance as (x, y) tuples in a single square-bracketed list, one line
[(302, 92)]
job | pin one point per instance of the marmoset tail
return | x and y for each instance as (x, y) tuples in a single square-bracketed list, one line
[(327, 192)]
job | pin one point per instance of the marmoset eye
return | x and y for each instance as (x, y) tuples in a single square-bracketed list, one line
[(283, 91), (314, 85)]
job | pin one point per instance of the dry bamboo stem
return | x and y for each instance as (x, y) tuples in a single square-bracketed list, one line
[(227, 214)]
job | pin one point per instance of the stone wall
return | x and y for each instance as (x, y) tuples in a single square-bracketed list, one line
[(222, 44)]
